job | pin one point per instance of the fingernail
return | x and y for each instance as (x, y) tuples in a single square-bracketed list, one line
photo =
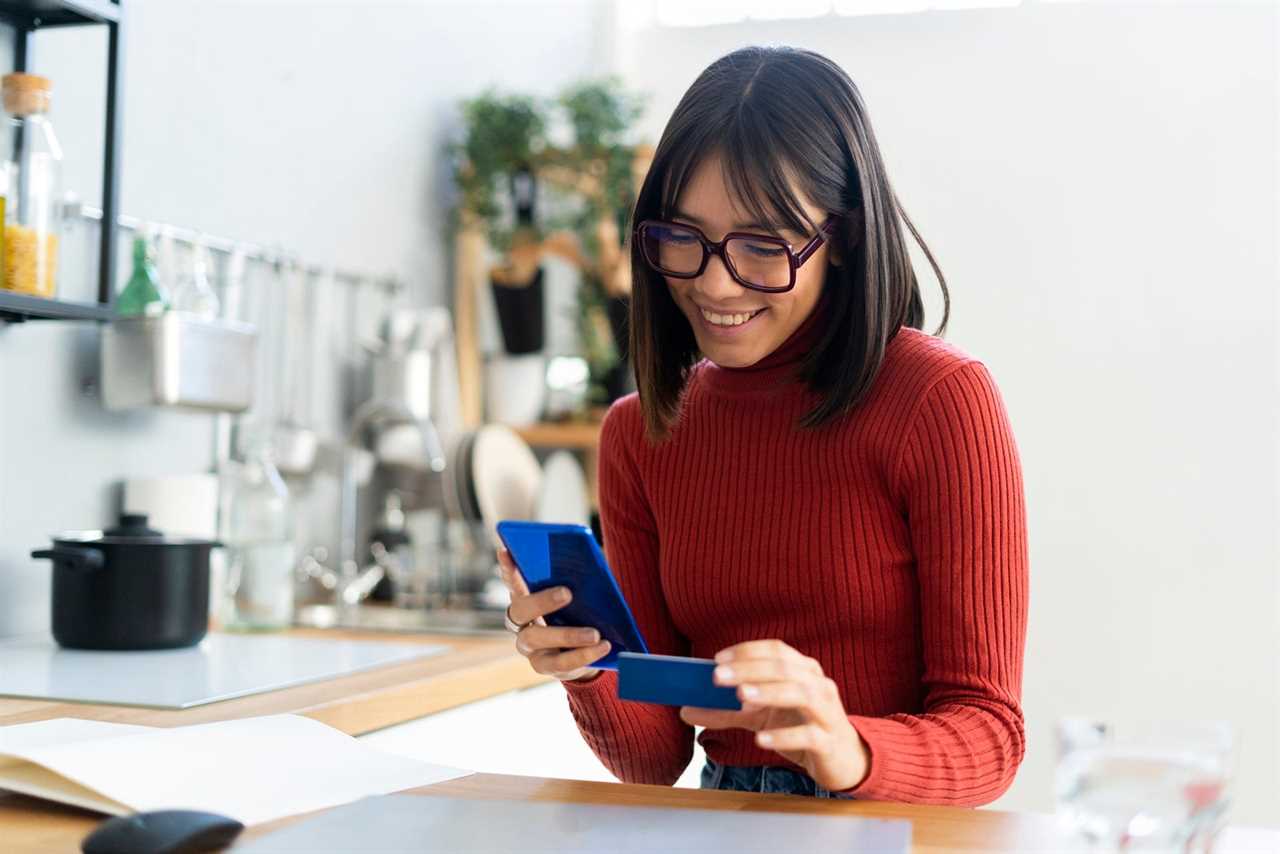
[(764, 738), (723, 656), (562, 594), (750, 691), (589, 636), (724, 674)]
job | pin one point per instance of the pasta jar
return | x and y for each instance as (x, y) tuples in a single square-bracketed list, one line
[(32, 213)]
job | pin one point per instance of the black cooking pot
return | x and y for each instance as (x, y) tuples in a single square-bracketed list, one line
[(129, 587)]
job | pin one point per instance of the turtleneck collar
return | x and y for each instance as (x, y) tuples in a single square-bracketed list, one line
[(777, 368)]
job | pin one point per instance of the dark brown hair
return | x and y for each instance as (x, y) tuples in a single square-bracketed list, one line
[(778, 115)]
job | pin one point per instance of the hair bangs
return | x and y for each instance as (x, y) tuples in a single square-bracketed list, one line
[(685, 156), (760, 180)]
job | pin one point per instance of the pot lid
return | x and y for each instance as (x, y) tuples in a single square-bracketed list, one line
[(131, 530), (132, 525)]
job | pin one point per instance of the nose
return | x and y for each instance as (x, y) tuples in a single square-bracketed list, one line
[(715, 283)]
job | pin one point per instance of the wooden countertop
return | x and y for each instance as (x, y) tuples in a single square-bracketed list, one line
[(477, 668), (29, 826)]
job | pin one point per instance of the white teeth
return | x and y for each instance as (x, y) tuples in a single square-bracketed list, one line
[(726, 319)]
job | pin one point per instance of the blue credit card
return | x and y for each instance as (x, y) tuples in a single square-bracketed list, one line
[(671, 680)]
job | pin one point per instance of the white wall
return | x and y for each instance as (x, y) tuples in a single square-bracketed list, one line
[(1099, 185), (318, 127)]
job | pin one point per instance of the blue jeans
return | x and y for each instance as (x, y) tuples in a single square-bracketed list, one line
[(762, 778)]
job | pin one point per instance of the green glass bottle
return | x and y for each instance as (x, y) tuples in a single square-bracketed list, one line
[(142, 294)]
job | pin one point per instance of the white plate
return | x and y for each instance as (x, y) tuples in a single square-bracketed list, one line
[(565, 497), (506, 476)]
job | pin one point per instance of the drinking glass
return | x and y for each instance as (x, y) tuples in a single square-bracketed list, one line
[(1154, 787)]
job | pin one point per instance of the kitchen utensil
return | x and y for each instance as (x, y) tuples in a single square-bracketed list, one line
[(564, 496), (180, 360), (194, 294), (412, 365), (143, 293), (293, 442), (130, 587), (506, 476)]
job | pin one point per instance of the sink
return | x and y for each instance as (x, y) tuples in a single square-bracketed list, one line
[(387, 618)]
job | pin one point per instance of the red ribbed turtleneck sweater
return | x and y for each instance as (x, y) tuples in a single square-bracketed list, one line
[(890, 546)]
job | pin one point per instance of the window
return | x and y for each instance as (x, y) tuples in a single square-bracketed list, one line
[(703, 13)]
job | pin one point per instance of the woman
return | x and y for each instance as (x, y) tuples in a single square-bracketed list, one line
[(829, 502)]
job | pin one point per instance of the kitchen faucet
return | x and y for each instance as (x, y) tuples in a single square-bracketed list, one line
[(350, 584)]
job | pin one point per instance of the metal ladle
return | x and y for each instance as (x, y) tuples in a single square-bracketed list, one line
[(293, 442)]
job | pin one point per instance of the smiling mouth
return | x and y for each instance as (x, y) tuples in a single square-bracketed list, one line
[(728, 319)]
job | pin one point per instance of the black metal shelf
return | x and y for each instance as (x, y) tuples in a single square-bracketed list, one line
[(19, 307), (57, 13), (27, 17)]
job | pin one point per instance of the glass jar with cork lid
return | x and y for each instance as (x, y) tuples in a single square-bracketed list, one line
[(32, 214)]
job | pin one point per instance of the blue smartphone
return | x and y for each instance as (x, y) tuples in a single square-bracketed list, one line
[(673, 680), (551, 555)]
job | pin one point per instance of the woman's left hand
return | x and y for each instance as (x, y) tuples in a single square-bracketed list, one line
[(792, 707)]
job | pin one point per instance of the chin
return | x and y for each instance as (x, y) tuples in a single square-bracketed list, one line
[(731, 357)]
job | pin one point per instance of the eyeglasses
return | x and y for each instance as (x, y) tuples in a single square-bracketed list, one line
[(761, 262)]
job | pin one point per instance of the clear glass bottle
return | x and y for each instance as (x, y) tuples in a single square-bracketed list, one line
[(195, 295), (143, 294), (33, 217), (256, 530)]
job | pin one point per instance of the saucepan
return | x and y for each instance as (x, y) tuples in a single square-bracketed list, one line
[(129, 587)]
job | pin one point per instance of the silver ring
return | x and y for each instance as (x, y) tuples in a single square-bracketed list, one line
[(512, 625)]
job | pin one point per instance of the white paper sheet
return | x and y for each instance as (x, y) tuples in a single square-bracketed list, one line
[(254, 770)]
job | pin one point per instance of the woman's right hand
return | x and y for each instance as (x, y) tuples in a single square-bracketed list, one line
[(562, 652)]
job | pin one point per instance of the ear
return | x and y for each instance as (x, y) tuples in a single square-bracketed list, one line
[(852, 225)]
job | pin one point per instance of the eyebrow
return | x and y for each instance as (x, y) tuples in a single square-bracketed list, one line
[(679, 214)]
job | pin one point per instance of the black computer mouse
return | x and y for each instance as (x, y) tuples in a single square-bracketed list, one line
[(162, 832)]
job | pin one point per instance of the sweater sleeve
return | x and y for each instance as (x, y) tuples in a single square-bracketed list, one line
[(959, 480), (638, 742)]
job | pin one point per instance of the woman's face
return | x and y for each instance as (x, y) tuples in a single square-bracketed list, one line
[(735, 326)]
